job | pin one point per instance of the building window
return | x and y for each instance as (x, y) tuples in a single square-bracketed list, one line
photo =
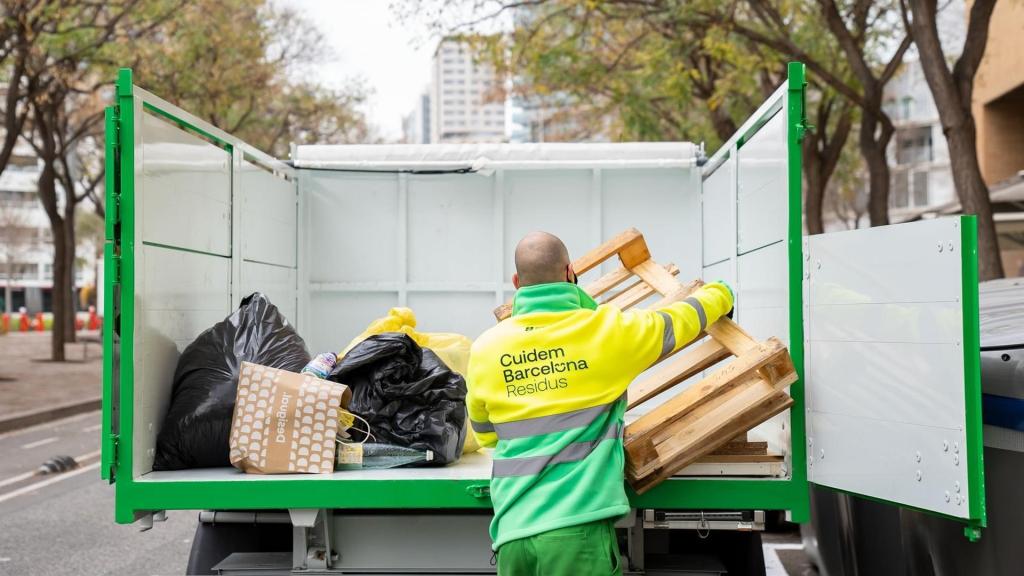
[(920, 188)]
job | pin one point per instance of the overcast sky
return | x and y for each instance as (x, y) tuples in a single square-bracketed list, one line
[(370, 43)]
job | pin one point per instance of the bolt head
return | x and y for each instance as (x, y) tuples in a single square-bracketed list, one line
[(821, 454), (917, 456), (956, 447), (949, 246), (945, 446), (956, 460), (819, 264), (956, 486), (940, 246), (947, 495), (918, 475)]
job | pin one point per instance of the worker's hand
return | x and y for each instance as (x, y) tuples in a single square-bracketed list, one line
[(732, 296)]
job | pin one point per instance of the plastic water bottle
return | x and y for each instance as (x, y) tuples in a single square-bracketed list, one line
[(321, 365)]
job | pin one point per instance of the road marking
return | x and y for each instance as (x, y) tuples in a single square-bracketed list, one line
[(772, 563), (16, 479), (36, 486), (92, 428), (39, 443)]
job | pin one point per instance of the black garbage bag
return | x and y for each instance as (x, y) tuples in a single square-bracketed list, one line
[(407, 394), (197, 427)]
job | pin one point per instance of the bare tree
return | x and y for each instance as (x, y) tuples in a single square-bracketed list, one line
[(822, 149), (952, 91)]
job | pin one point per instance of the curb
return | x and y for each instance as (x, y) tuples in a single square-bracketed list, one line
[(32, 417)]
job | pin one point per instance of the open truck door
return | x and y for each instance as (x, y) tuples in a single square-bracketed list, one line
[(892, 378)]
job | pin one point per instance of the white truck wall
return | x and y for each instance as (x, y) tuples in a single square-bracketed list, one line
[(745, 221), (194, 203), (443, 244)]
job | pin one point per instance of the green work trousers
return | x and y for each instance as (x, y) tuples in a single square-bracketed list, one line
[(587, 549)]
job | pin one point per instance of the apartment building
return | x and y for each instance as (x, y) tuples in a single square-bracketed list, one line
[(467, 101)]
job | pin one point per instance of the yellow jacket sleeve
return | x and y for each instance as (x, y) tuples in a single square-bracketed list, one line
[(657, 333), (479, 418)]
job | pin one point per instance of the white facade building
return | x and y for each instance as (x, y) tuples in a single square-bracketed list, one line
[(416, 125), (466, 97)]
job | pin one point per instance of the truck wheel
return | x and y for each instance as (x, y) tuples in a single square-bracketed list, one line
[(215, 542)]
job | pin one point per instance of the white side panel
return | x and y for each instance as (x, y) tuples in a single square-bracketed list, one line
[(276, 282), (762, 192), (884, 364), (443, 244), (187, 182), (716, 214), (663, 205), (269, 218), (554, 201), (181, 294), (353, 221), (338, 317)]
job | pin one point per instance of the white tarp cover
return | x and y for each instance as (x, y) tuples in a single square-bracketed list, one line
[(485, 157)]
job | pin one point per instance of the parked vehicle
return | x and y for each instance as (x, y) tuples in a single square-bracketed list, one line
[(882, 324)]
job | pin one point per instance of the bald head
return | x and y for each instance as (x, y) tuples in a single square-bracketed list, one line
[(541, 258)]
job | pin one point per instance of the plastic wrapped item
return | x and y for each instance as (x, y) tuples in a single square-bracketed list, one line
[(321, 365), (373, 455), (197, 427), (407, 395), (451, 348)]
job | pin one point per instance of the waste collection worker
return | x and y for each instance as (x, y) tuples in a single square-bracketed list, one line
[(547, 390)]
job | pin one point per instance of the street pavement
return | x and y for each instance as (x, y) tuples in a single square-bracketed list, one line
[(30, 381), (64, 523)]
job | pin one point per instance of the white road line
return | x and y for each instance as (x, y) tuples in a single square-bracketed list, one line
[(44, 483), (772, 564), (39, 443), (16, 479), (92, 428)]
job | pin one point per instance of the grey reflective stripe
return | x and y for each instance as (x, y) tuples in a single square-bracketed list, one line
[(530, 465), (668, 339), (700, 311), (554, 423), (481, 427)]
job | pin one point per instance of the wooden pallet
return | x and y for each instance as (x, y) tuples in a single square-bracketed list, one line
[(707, 421)]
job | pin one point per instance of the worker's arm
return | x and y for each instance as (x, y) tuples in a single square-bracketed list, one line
[(479, 419), (658, 333)]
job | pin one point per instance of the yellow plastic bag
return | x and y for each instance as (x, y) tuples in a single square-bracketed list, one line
[(452, 349)]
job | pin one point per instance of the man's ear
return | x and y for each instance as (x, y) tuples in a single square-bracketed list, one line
[(570, 274), (515, 280)]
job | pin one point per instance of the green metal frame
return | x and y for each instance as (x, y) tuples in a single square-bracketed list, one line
[(975, 448), (134, 497)]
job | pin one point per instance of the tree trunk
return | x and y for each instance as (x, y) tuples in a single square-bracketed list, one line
[(872, 149), (48, 195), (815, 186), (953, 92), (69, 263)]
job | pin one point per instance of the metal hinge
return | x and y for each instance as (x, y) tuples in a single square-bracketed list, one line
[(117, 269), (111, 448)]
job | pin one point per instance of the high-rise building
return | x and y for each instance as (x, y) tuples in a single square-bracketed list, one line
[(416, 125), (466, 97)]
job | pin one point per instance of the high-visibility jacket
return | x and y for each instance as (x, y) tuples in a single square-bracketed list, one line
[(547, 390)]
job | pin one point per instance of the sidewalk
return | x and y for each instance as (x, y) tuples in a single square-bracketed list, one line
[(29, 381)]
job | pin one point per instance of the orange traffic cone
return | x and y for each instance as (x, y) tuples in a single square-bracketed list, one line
[(94, 321), (23, 322), (40, 325)]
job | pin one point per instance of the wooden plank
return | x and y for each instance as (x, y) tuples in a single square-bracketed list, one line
[(656, 276), (719, 382), (696, 359), (629, 245), (731, 335), (636, 292), (742, 448), (746, 407), (608, 281), (716, 457), (502, 312)]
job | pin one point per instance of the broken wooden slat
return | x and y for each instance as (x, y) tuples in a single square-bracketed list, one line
[(607, 282), (637, 292), (742, 448), (729, 458), (741, 409), (695, 360), (629, 245), (656, 276), (706, 389)]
